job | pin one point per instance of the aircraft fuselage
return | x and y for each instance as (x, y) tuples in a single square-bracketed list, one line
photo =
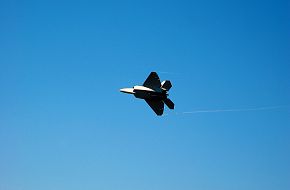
[(143, 92)]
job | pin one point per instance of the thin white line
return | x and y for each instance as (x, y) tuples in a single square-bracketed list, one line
[(236, 110)]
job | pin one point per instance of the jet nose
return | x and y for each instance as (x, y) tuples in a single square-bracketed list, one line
[(127, 90)]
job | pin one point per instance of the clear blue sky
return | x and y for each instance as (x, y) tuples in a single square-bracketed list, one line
[(64, 125)]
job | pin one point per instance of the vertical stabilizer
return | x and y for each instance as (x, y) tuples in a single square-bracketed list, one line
[(166, 85)]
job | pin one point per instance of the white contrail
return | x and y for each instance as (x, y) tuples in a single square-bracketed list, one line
[(236, 110)]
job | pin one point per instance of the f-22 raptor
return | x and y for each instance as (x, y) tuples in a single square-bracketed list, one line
[(153, 92)]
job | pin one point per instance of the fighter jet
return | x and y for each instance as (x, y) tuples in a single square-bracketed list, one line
[(153, 92)]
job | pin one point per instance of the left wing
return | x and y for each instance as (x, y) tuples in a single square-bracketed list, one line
[(152, 81), (156, 105)]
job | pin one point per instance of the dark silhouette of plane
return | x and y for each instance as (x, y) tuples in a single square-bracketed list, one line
[(153, 92)]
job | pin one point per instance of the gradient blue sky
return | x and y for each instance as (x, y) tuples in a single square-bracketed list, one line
[(65, 126)]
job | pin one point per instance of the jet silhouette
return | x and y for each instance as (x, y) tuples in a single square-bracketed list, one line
[(153, 92)]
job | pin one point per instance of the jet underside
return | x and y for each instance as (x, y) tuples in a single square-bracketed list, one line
[(153, 92)]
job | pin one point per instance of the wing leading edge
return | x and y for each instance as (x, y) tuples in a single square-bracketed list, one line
[(152, 81), (156, 105)]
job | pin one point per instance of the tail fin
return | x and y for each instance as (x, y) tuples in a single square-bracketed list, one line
[(169, 103), (166, 85)]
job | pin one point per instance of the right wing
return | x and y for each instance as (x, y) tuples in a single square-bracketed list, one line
[(156, 105), (152, 81)]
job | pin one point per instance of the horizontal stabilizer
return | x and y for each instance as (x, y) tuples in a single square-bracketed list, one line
[(169, 103)]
